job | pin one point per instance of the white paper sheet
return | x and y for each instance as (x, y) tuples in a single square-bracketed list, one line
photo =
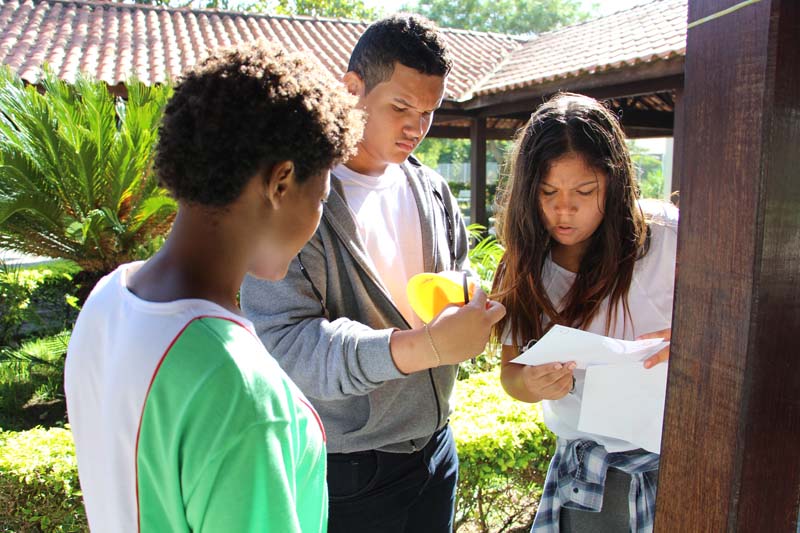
[(562, 344), (620, 398), (625, 401)]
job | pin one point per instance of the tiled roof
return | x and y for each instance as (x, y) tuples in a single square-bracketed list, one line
[(111, 41), (643, 34)]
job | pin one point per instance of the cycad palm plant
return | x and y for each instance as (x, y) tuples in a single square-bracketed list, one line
[(485, 255), (76, 179)]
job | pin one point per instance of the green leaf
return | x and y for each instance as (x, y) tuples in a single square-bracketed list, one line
[(76, 179)]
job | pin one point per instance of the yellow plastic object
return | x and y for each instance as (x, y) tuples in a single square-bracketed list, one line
[(429, 293)]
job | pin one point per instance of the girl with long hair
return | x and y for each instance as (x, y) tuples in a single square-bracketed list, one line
[(584, 252)]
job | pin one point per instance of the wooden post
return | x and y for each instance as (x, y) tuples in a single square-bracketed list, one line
[(678, 143), (477, 158), (731, 448)]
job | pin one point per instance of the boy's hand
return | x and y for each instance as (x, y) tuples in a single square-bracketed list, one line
[(462, 332)]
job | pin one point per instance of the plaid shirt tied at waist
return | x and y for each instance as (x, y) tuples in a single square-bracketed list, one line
[(576, 480)]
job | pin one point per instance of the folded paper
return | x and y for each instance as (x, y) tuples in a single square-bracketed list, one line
[(562, 344), (620, 398)]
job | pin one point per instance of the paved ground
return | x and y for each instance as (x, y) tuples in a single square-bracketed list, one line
[(15, 258)]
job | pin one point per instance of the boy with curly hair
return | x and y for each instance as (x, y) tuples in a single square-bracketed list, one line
[(182, 420), (341, 322)]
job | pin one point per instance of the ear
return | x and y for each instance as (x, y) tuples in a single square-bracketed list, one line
[(355, 84), (279, 180)]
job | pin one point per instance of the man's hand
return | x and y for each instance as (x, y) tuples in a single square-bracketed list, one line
[(462, 332), (453, 336)]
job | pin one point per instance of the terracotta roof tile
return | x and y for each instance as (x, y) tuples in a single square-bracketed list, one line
[(643, 34), (112, 41)]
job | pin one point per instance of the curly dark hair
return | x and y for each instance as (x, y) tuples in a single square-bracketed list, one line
[(243, 109), (411, 40)]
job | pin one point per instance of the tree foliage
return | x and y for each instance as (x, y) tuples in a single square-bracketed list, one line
[(432, 151), (351, 9), (517, 17), (76, 179), (649, 174)]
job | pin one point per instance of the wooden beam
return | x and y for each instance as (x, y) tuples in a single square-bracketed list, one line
[(643, 79), (477, 158), (452, 108), (730, 458), (637, 88), (448, 132), (646, 119), (527, 100), (457, 132), (636, 132)]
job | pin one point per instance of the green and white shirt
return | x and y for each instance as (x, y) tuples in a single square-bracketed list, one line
[(183, 421)]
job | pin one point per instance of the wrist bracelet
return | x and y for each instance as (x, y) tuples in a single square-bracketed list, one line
[(435, 351)]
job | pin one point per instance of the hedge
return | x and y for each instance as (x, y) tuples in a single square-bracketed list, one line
[(503, 446), (504, 449), (39, 488), (36, 301)]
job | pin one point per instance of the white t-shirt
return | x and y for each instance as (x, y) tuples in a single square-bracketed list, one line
[(650, 304), (387, 219), (183, 422)]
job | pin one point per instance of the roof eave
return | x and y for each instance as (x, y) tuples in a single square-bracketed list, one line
[(628, 80)]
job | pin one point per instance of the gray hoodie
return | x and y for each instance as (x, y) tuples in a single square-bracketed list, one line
[(328, 324)]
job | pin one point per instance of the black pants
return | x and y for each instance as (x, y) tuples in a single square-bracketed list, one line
[(382, 492)]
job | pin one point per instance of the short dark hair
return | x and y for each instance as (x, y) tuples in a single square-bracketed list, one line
[(242, 110), (411, 40)]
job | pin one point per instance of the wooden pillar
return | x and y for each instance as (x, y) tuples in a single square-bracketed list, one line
[(678, 142), (477, 158), (731, 449)]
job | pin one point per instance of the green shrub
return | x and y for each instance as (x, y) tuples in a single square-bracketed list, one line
[(457, 186), (33, 355), (39, 488), (484, 257), (15, 299), (504, 449), (485, 362), (55, 302), (31, 383), (36, 301), (503, 446)]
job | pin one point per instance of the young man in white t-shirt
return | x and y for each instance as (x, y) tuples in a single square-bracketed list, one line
[(341, 322)]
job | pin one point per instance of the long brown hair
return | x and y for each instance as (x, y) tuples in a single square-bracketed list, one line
[(567, 124)]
